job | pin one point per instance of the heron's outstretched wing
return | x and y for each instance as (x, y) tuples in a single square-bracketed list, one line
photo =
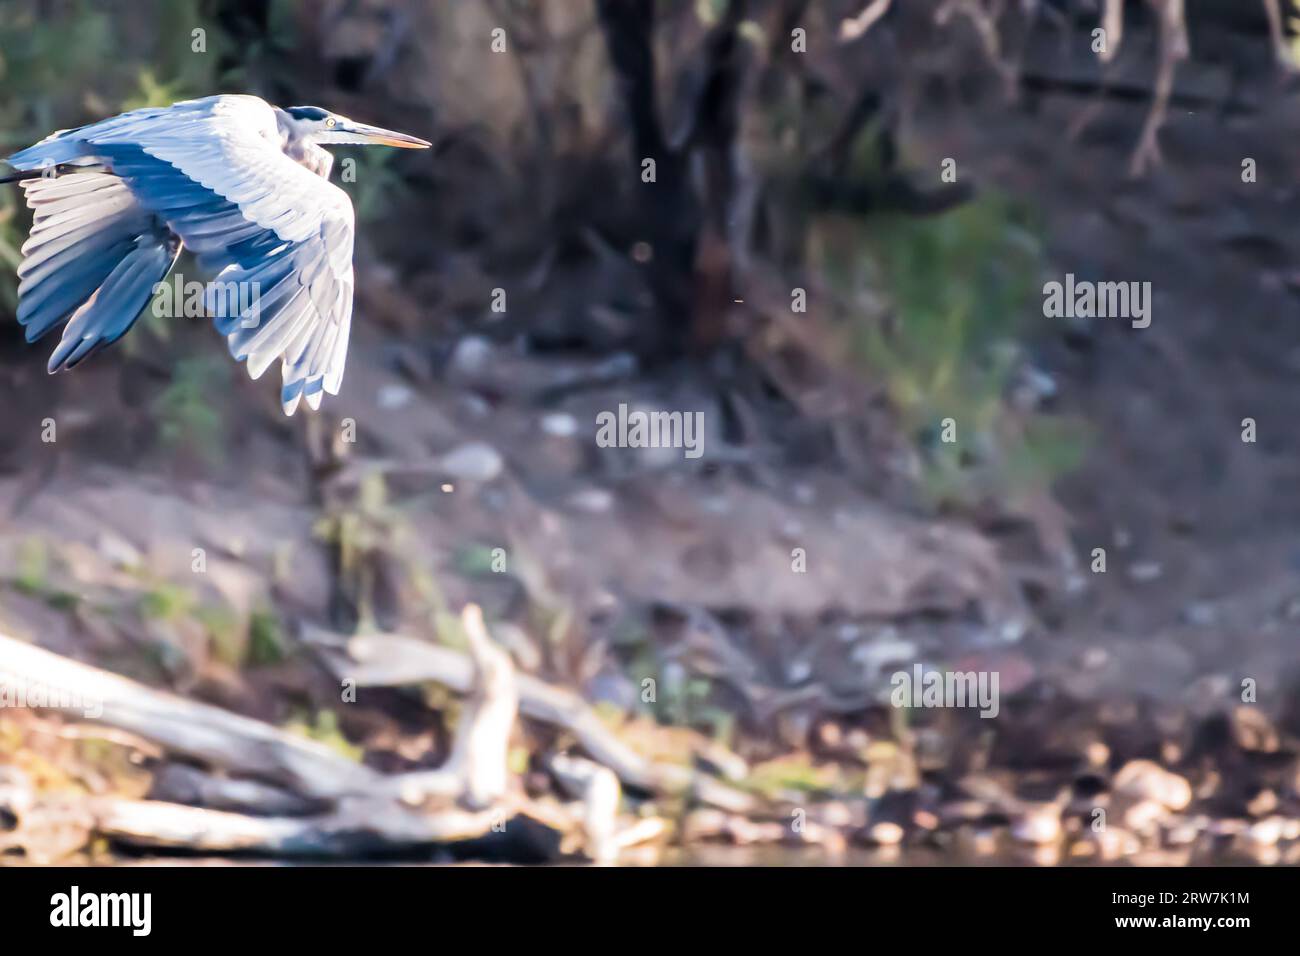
[(281, 236), (93, 258)]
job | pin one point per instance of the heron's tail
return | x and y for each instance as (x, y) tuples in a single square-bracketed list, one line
[(93, 259)]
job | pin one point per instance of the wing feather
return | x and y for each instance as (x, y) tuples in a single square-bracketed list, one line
[(214, 171)]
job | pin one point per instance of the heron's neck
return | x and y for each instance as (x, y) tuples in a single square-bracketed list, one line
[(306, 153), (299, 147)]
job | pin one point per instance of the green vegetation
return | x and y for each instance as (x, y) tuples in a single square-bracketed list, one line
[(167, 602), (32, 576), (227, 635), (267, 641), (794, 775), (374, 185), (958, 293), (33, 567), (356, 530), (474, 559), (190, 418), (323, 727)]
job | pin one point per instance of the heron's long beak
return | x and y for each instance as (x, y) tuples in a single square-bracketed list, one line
[(350, 132)]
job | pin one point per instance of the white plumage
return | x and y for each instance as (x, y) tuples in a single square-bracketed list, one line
[(240, 183)]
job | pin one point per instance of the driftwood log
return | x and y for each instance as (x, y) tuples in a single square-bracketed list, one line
[(246, 786), (197, 731), (390, 660)]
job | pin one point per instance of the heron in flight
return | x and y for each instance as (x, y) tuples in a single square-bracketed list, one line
[(244, 185)]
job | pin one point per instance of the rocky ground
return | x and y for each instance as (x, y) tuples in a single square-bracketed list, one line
[(1122, 691)]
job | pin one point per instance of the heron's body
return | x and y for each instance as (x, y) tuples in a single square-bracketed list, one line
[(242, 184)]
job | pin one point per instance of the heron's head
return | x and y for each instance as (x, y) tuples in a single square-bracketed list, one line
[(323, 127)]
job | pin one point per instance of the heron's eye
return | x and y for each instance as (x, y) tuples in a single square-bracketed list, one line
[(331, 121)]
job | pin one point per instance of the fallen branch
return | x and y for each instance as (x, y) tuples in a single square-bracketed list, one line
[(198, 731), (1277, 35), (477, 770), (52, 826), (1112, 25), (360, 828), (597, 788), (1173, 49), (852, 28), (358, 811), (390, 660), (180, 783)]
